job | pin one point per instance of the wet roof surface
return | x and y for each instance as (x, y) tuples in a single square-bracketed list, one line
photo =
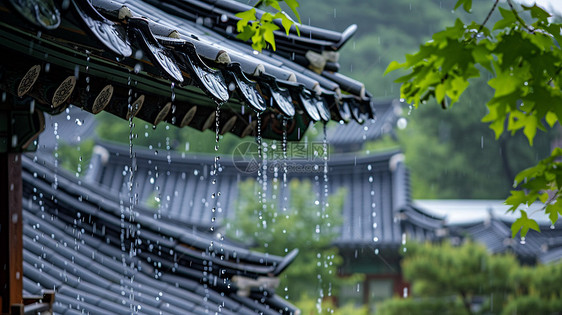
[(72, 244), (488, 222), (375, 184)]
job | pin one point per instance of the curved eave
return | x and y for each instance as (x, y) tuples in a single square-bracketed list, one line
[(178, 77), (97, 203), (422, 219)]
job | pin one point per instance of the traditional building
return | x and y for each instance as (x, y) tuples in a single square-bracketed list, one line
[(100, 256), (377, 213), (173, 61), (488, 222)]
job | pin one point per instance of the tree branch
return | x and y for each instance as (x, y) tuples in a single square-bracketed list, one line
[(465, 302), (519, 19), (488, 17)]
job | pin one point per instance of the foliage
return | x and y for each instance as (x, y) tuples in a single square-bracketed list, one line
[(386, 30), (541, 182), (451, 154), (447, 279), (153, 201), (260, 30), (270, 227), (524, 62), (309, 306), (421, 306), (75, 158)]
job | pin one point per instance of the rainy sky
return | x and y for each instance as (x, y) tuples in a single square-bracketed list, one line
[(549, 5)]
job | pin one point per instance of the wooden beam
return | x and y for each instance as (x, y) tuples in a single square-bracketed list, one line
[(11, 246)]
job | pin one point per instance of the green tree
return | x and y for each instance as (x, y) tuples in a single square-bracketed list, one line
[(270, 227), (75, 158), (260, 30), (451, 154), (522, 58), (309, 306), (447, 279), (386, 29)]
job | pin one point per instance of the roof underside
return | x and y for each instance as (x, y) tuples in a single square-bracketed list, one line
[(174, 61)]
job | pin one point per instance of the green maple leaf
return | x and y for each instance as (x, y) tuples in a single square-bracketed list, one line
[(466, 4), (482, 55), (537, 12), (528, 122), (508, 18), (496, 116), (257, 41), (245, 18), (551, 119), (272, 3), (247, 33), (267, 30), (554, 210), (523, 224), (505, 82), (517, 198), (293, 4), (394, 65), (287, 22), (439, 93)]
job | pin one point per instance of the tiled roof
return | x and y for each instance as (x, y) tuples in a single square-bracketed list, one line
[(74, 244), (465, 212), (174, 61), (545, 246), (375, 209), (488, 222), (351, 137)]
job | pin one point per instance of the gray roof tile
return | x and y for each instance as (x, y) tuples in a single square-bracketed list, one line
[(63, 252), (376, 194)]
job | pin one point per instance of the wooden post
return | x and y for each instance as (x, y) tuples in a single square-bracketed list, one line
[(11, 244), (20, 124)]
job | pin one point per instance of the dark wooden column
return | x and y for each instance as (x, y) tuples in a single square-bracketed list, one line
[(11, 268), (20, 124)]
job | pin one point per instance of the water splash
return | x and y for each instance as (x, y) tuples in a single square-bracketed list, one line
[(325, 201), (56, 154), (214, 172), (215, 202), (263, 182), (275, 165), (128, 232), (258, 138), (325, 170), (373, 203), (284, 148), (260, 159), (87, 76)]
